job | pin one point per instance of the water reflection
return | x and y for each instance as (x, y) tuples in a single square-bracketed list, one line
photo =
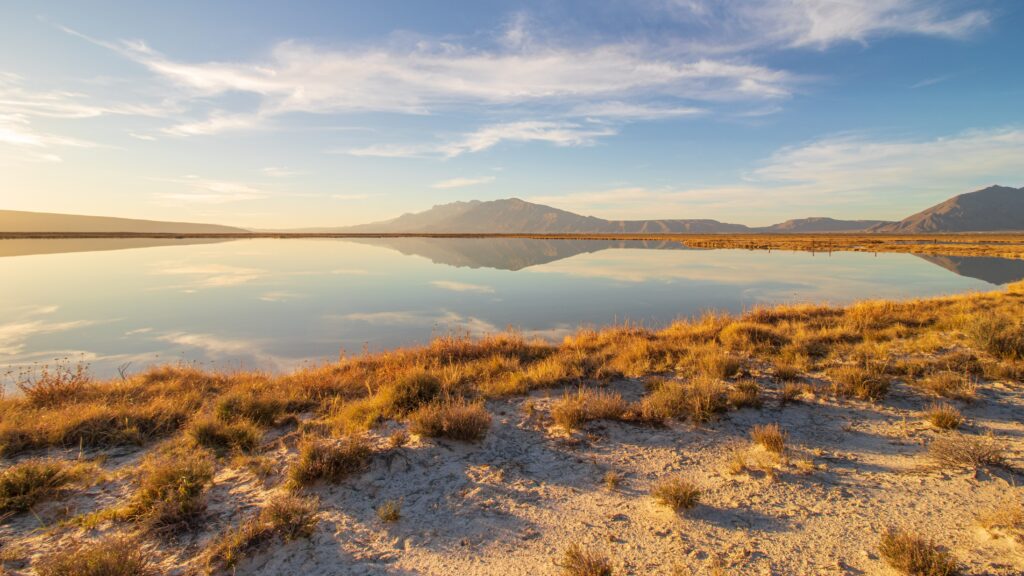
[(272, 304)]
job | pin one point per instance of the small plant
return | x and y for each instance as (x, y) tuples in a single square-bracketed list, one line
[(944, 416), (579, 561), (915, 556), (454, 419), (792, 391), (1005, 520), (328, 460), (222, 437), (112, 556), (172, 489), (717, 363), (612, 480), (961, 451), (54, 385), (390, 511), (787, 372), (699, 400), (950, 385), (573, 410), (677, 493), (28, 482), (285, 516), (746, 393), (398, 438), (771, 437), (858, 382)]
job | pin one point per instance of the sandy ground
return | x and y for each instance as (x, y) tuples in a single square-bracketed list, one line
[(512, 503)]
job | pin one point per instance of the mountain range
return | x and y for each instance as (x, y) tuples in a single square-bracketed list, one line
[(993, 209)]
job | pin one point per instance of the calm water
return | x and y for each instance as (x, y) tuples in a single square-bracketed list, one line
[(274, 304)]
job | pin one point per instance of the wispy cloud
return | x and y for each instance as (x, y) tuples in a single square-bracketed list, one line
[(352, 196), (462, 286), (206, 191), (445, 319), (208, 275), (17, 133), (280, 172), (626, 110), (461, 182), (33, 322)]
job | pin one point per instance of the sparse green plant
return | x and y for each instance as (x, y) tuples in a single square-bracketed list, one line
[(390, 511), (676, 492), (771, 437), (112, 556), (454, 419), (329, 460), (580, 561), (943, 416), (915, 556)]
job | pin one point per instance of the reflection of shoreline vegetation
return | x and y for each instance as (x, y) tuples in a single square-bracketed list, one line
[(1008, 245), (326, 423)]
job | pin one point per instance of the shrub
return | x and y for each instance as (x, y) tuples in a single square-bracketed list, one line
[(409, 392), (208, 432), (699, 400), (28, 482), (390, 511), (579, 561), (950, 385), (573, 410), (285, 516), (112, 556), (943, 416), (960, 451), (787, 372), (454, 419), (251, 404), (54, 385), (612, 480), (717, 363), (677, 493), (915, 556), (745, 393), (172, 489), (999, 336), (771, 437), (328, 460), (751, 336), (858, 382)]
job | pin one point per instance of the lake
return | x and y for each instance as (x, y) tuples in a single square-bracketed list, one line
[(276, 303)]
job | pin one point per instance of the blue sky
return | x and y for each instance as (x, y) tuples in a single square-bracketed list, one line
[(270, 114)]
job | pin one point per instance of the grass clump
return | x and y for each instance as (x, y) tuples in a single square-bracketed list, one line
[(962, 451), (943, 416), (949, 385), (454, 419), (753, 337), (717, 363), (699, 400), (25, 484), (677, 493), (914, 556), (579, 561), (771, 437), (222, 437), (172, 489), (396, 399), (1006, 520), (744, 394), (998, 335), (286, 516), (611, 480), (329, 460), (573, 410), (54, 385), (390, 511), (112, 556), (858, 382)]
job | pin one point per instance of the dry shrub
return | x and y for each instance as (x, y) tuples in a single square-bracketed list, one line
[(251, 404), (961, 451), (717, 363), (172, 488), (943, 416), (222, 437), (750, 336), (676, 492), (792, 391), (953, 385), (454, 419), (285, 516), (998, 335), (858, 382), (914, 556), (771, 437), (700, 400), (54, 385), (746, 393), (611, 480), (328, 460), (1005, 520), (390, 511), (28, 482), (787, 372), (112, 556), (573, 410), (579, 561)]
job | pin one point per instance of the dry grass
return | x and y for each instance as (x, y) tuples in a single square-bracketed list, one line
[(171, 489), (54, 385), (962, 451), (573, 410), (25, 484), (858, 382), (454, 419), (957, 386), (676, 492), (112, 556), (284, 516), (943, 416), (223, 437), (390, 511), (914, 556), (580, 561), (699, 400), (771, 437), (745, 394), (1006, 520), (328, 460), (612, 480)]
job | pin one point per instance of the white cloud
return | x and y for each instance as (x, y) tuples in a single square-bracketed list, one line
[(280, 172), (626, 110), (30, 323), (462, 286), (444, 319), (27, 143), (208, 275), (207, 191), (461, 182), (557, 133)]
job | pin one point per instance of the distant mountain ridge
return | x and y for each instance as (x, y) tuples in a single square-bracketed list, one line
[(18, 221), (992, 209), (515, 216)]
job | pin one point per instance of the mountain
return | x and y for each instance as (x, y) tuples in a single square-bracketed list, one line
[(992, 270), (17, 221), (994, 209), (807, 225)]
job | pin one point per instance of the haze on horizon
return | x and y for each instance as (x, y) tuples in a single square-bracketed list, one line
[(261, 115)]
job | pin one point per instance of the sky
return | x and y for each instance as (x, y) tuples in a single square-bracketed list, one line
[(276, 115)]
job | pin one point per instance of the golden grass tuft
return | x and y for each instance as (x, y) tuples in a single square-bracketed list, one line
[(858, 382), (943, 416), (455, 419), (390, 511), (328, 460), (745, 394), (285, 516), (223, 437), (54, 385), (914, 556), (171, 489), (573, 410), (112, 556), (752, 337), (25, 484), (771, 437), (580, 561), (676, 492), (700, 399), (952, 385), (1005, 520)]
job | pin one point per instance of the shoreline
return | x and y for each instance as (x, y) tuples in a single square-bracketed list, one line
[(498, 455)]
